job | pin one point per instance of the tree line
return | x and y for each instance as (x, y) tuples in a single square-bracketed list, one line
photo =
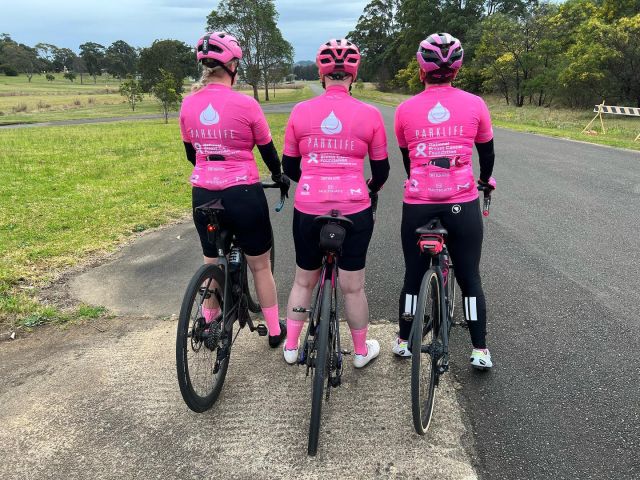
[(267, 58), (528, 51)]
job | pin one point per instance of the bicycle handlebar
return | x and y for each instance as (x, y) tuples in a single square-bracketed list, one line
[(486, 204), (284, 193)]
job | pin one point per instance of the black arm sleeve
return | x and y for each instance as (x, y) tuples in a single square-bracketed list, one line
[(379, 173), (270, 157), (291, 167), (487, 157), (405, 160), (191, 153)]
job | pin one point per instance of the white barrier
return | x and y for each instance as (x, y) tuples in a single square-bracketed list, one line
[(613, 110)]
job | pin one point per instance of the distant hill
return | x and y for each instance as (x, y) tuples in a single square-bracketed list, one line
[(304, 63)]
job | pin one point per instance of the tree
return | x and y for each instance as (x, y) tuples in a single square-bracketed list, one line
[(306, 70), (63, 59), (120, 59), (93, 56), (514, 51), (70, 76), (374, 35), (50, 78), (132, 91), (253, 23), (276, 62), (21, 58), (79, 66), (166, 91), (46, 52), (172, 56)]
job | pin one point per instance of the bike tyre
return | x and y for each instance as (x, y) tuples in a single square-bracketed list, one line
[(429, 299), (198, 403), (320, 371)]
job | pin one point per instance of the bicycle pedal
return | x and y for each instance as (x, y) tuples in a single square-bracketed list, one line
[(301, 310), (345, 352), (461, 324), (262, 330)]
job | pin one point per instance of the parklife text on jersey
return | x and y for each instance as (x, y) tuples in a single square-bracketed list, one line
[(332, 143), (212, 134), (435, 132)]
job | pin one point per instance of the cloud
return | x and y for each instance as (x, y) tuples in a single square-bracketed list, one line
[(68, 23)]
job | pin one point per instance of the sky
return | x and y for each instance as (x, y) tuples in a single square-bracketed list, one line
[(68, 23)]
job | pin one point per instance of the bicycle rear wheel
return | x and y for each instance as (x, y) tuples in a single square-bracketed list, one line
[(252, 296), (202, 350), (425, 348), (321, 341)]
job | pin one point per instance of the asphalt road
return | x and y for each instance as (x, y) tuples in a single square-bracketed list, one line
[(560, 273)]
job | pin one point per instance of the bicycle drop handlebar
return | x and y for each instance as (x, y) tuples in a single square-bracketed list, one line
[(284, 193)]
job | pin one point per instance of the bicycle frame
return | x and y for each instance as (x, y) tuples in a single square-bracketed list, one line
[(234, 296), (329, 271)]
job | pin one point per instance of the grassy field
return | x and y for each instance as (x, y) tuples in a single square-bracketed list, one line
[(76, 191), (556, 122), (44, 101)]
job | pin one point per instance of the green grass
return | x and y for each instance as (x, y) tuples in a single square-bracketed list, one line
[(554, 121), (75, 191), (43, 101)]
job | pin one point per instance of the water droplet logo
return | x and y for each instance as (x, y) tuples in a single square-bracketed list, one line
[(438, 114), (331, 125), (209, 116)]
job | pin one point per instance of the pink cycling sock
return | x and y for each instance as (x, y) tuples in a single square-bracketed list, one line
[(270, 315), (359, 340), (294, 328), (210, 314)]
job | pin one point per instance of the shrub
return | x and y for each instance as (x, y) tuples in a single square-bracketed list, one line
[(91, 100), (50, 78), (77, 102), (21, 107), (10, 71), (43, 105)]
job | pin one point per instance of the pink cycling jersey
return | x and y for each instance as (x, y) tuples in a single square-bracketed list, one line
[(333, 133), (439, 127), (218, 121)]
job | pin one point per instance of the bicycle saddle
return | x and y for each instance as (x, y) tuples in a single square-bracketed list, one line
[(434, 227), (333, 216), (213, 205)]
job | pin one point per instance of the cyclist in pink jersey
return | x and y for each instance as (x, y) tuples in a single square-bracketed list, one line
[(219, 129), (436, 132), (326, 141)]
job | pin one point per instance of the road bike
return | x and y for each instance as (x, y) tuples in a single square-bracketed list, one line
[(203, 348), (433, 319), (321, 352)]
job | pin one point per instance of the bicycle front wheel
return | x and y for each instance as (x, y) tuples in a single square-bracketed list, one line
[(320, 372), (202, 349), (425, 351)]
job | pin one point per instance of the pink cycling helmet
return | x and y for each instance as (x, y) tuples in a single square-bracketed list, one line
[(440, 56), (217, 48), (338, 56)]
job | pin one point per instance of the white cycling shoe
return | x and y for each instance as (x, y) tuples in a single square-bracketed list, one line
[(401, 348), (290, 356), (481, 359), (373, 350)]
